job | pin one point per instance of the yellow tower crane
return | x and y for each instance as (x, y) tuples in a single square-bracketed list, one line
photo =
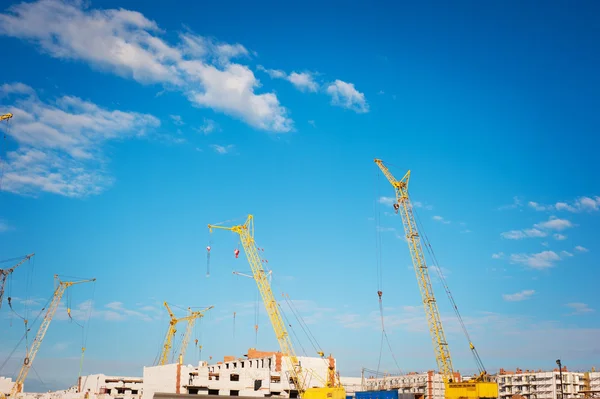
[(4, 273), (35, 346), (479, 387), (168, 344), (246, 234)]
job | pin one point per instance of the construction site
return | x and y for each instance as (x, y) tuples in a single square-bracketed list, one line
[(280, 372)]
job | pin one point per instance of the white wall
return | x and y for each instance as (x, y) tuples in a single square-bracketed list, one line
[(95, 382), (351, 384), (6, 385), (164, 379)]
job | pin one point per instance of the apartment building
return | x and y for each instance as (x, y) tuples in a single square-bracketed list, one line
[(428, 385), (532, 384)]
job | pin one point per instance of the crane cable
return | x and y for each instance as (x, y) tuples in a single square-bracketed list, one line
[(208, 248), (27, 301), (379, 265), (85, 329), (24, 337), (3, 162), (437, 268), (303, 325)]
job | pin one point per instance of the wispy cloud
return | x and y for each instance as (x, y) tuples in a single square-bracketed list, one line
[(303, 81), (208, 126), (387, 200), (4, 227), (540, 229), (345, 95), (519, 234), (555, 223), (541, 260), (177, 120), (113, 311), (579, 248), (579, 308), (519, 296), (61, 143), (130, 45), (418, 204), (222, 149), (580, 204), (537, 206), (312, 123), (559, 237), (352, 320), (517, 203), (440, 219), (498, 255)]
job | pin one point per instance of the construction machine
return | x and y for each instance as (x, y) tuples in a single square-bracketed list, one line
[(168, 344), (37, 342), (332, 388), (4, 273), (480, 386)]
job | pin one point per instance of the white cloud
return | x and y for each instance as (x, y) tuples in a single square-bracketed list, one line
[(387, 200), (554, 223), (344, 94), (15, 88), (516, 204), (537, 206), (113, 311), (540, 229), (381, 92), (231, 91), (580, 204), (541, 260), (441, 219), (418, 204), (498, 255), (519, 296), (273, 73), (312, 123), (520, 234), (303, 81), (61, 144), (565, 254), (559, 237), (220, 149), (128, 44), (177, 120), (352, 320), (208, 126), (581, 249), (4, 227), (579, 308)]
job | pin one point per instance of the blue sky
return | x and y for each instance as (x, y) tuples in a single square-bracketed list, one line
[(137, 124)]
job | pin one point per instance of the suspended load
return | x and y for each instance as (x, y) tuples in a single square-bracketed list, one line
[(236, 252)]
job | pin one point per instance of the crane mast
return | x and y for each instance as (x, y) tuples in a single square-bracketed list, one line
[(246, 234), (35, 346), (479, 388), (4, 273), (194, 315), (168, 344)]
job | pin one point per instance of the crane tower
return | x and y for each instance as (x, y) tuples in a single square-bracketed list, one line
[(479, 387)]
